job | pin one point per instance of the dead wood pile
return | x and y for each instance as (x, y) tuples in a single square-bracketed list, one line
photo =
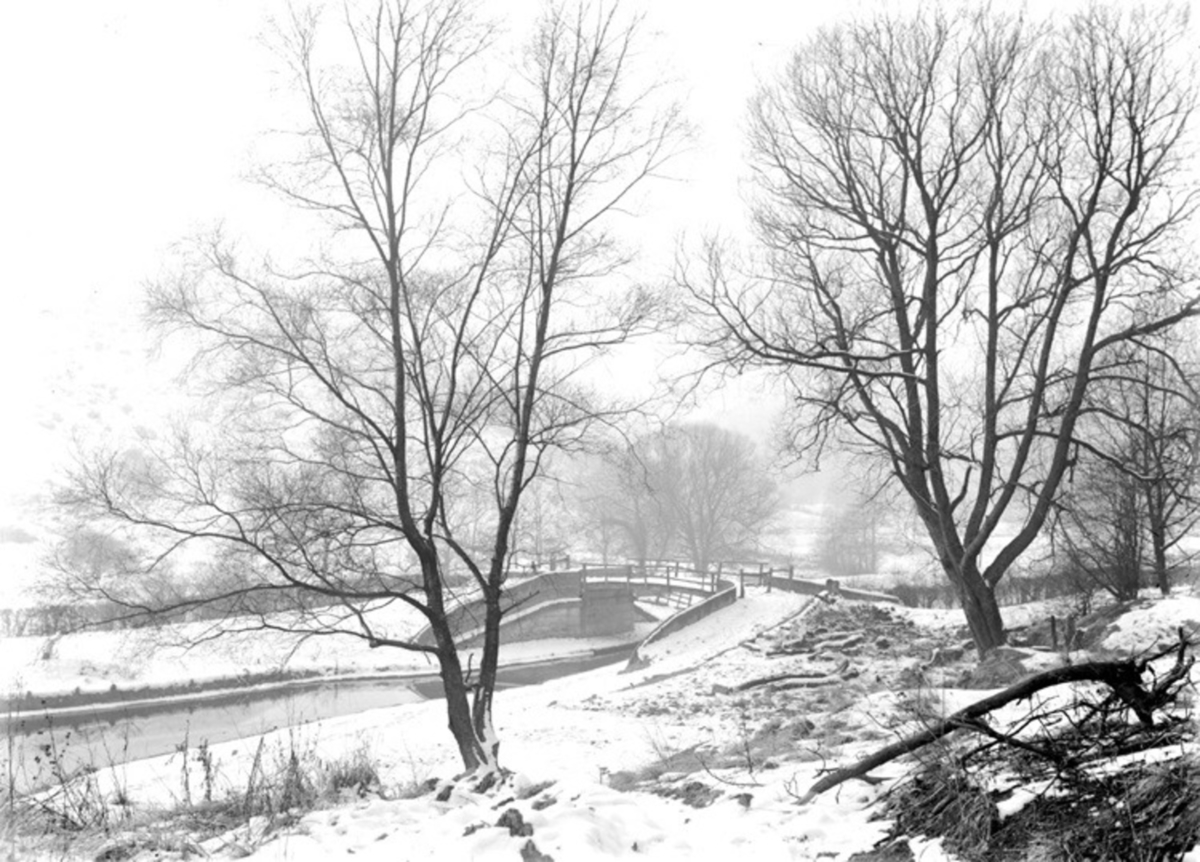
[(1112, 775)]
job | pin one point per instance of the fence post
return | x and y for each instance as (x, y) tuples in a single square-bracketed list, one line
[(770, 576), (791, 571), (716, 576), (741, 582)]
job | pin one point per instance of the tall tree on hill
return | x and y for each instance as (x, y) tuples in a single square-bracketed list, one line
[(428, 356), (959, 213)]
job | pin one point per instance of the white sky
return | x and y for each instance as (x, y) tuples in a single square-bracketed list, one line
[(127, 124)]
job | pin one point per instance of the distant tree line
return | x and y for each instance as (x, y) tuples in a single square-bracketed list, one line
[(1132, 494), (695, 491)]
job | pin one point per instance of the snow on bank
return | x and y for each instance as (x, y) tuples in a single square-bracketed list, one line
[(580, 732), (1154, 623), (586, 822), (557, 732), (178, 654), (1014, 616), (723, 630), (98, 661), (1154, 620)]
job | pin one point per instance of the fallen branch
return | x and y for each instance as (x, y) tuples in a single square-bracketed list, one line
[(1123, 677), (808, 683), (809, 676), (838, 642), (790, 648), (833, 642)]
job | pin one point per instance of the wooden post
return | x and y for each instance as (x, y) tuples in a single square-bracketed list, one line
[(741, 583), (761, 567), (1054, 633), (716, 577)]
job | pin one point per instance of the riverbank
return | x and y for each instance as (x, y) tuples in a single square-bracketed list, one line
[(95, 701), (96, 667), (115, 733)]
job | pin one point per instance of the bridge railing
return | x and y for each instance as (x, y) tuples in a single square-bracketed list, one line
[(667, 577), (667, 582)]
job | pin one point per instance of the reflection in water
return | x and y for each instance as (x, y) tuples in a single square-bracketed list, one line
[(44, 748), (41, 748)]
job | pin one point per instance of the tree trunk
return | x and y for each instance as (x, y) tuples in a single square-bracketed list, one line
[(1161, 576), (478, 753), (484, 733), (1158, 543), (979, 604), (458, 709)]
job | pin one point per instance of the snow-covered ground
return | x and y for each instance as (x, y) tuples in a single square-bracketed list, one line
[(670, 761)]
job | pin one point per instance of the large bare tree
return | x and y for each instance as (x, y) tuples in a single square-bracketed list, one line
[(368, 399), (693, 489), (960, 216)]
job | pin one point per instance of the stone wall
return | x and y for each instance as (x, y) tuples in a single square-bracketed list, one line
[(607, 610), (551, 586), (726, 595), (555, 619), (604, 610)]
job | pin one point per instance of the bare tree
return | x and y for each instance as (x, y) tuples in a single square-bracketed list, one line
[(851, 540), (617, 500), (1131, 497), (544, 522), (959, 212), (427, 358), (698, 490), (1102, 529), (1163, 420), (719, 492)]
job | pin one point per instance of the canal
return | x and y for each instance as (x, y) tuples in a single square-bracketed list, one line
[(40, 747)]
